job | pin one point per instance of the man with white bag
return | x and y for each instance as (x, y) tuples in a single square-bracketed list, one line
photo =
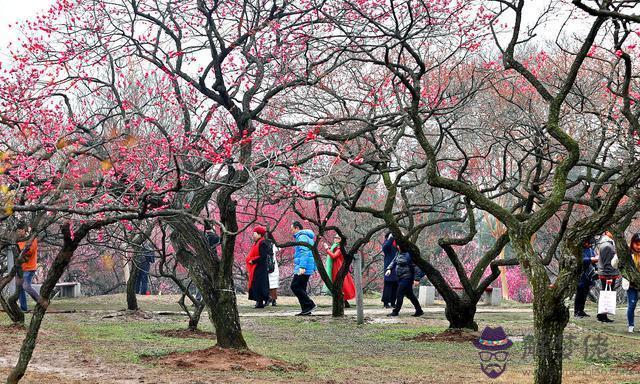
[(608, 274)]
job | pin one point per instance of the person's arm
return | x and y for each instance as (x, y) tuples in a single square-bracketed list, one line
[(263, 250), (392, 265), (333, 255)]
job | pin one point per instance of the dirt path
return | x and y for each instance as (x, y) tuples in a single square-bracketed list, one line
[(379, 312)]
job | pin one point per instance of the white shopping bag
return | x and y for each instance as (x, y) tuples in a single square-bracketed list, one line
[(607, 301)]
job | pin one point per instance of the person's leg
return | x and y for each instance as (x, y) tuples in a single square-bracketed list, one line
[(26, 285), (403, 286), (308, 303), (22, 297), (394, 293), (144, 285), (296, 288), (414, 300), (138, 282), (632, 298), (386, 294), (581, 299)]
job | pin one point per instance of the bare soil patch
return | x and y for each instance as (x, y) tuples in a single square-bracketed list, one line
[(219, 359), (186, 334), (12, 328), (450, 336), (633, 366)]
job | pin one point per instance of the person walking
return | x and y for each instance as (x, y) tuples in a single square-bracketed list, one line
[(390, 286), (26, 271), (607, 267), (586, 280), (405, 269), (144, 264), (257, 267), (274, 276), (212, 238), (335, 254), (304, 265), (632, 289)]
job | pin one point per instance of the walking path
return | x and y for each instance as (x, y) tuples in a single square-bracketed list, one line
[(379, 311)]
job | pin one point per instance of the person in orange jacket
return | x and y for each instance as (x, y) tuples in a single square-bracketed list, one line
[(27, 269)]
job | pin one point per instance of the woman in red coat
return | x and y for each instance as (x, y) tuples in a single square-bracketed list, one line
[(257, 267), (348, 288)]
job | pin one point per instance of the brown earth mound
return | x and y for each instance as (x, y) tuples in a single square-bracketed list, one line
[(633, 366), (450, 335), (186, 334), (13, 328), (219, 359)]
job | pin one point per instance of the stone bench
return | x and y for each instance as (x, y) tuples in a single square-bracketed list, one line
[(66, 289), (427, 295)]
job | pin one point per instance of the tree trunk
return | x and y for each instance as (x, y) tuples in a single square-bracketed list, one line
[(28, 345), (132, 300), (550, 318), (461, 313), (10, 305), (338, 300), (223, 313)]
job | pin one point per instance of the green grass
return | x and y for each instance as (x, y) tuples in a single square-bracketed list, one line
[(335, 350)]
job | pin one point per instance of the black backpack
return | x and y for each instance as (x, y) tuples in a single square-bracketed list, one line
[(271, 258)]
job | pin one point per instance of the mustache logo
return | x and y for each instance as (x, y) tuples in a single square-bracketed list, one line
[(493, 370)]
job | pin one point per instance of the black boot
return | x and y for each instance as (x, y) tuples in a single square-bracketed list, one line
[(273, 303), (603, 318), (259, 304), (346, 304)]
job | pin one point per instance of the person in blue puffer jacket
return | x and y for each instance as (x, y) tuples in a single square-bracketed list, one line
[(304, 266)]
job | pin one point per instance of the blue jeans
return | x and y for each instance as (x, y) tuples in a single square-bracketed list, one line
[(24, 286), (632, 298), (142, 281)]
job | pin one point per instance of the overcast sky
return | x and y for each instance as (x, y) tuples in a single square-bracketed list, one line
[(12, 10)]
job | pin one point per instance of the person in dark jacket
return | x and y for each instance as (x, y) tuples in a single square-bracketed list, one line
[(144, 264), (607, 271), (405, 269), (212, 238), (258, 267), (390, 287), (586, 281)]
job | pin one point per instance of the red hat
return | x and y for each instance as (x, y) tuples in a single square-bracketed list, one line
[(260, 230)]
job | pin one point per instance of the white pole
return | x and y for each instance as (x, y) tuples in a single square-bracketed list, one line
[(359, 299), (12, 284)]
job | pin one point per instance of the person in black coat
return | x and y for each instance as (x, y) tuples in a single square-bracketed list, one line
[(406, 271), (390, 288), (258, 267), (212, 238), (586, 278)]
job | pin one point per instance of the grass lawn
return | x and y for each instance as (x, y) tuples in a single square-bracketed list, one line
[(84, 347)]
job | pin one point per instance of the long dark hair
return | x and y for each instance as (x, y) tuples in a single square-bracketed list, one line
[(634, 239)]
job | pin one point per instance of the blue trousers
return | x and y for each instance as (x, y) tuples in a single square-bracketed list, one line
[(632, 301), (142, 281), (24, 286)]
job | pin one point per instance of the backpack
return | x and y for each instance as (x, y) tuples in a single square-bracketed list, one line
[(271, 259)]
